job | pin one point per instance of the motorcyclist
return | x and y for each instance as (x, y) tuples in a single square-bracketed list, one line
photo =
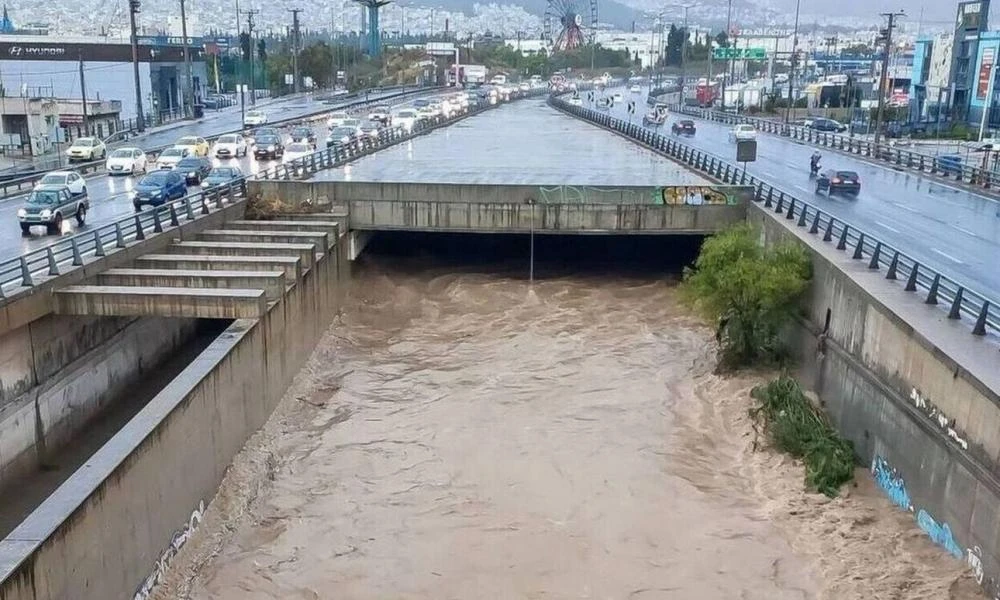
[(814, 162)]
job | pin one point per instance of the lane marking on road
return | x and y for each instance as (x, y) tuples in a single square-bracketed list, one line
[(948, 256), (884, 226), (966, 231), (905, 207)]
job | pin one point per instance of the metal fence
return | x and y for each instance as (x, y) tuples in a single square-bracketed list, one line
[(894, 155), (23, 181), (939, 289), (20, 274)]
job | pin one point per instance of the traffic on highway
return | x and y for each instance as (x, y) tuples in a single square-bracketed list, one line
[(958, 230), (135, 179)]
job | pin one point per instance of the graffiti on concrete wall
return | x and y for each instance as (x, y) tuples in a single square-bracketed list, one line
[(584, 194), (974, 556), (939, 418), (889, 480), (940, 533), (695, 195), (180, 537)]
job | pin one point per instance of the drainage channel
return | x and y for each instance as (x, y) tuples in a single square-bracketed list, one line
[(21, 497)]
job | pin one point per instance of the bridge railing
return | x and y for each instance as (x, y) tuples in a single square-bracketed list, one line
[(21, 273), (22, 181), (892, 154), (961, 300)]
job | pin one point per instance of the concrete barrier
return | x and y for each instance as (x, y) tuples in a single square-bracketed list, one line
[(142, 491), (59, 372), (913, 390)]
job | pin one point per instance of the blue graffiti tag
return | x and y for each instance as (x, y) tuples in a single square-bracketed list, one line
[(891, 483), (940, 533)]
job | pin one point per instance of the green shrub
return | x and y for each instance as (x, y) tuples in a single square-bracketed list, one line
[(794, 425), (750, 290)]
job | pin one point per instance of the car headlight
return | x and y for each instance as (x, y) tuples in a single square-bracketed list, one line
[(21, 213), (270, 148), (45, 214), (204, 183), (192, 174)]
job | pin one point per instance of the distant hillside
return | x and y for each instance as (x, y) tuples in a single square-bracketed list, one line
[(608, 11)]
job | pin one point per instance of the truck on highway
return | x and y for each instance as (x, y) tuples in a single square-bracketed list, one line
[(468, 75)]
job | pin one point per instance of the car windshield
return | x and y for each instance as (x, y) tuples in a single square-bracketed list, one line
[(304, 148), (847, 174), (746, 127), (85, 142), (53, 179), (192, 163), (228, 139), (255, 114), (301, 132), (406, 114), (342, 132), (420, 103), (687, 123), (338, 116), (267, 139), (124, 153), (157, 178), (187, 141), (44, 197), (172, 153), (352, 122), (223, 173)]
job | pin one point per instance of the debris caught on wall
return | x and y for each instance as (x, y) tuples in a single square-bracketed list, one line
[(942, 420), (178, 540)]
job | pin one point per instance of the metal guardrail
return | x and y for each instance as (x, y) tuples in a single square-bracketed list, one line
[(893, 155), (961, 300), (28, 180), (71, 252)]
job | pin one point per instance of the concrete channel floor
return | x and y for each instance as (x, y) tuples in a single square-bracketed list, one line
[(526, 143)]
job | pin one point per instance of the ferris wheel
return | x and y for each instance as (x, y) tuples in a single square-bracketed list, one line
[(565, 21)]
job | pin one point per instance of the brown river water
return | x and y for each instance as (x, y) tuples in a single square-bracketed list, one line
[(461, 433)]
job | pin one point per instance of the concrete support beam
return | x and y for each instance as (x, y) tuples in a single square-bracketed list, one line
[(272, 282), (290, 265), (306, 252), (356, 242), (117, 301), (322, 241), (330, 225)]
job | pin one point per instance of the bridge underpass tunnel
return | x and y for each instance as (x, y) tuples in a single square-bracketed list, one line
[(554, 255)]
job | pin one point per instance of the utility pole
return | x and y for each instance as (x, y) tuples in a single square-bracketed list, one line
[(791, 65), (83, 97), (188, 83), (295, 46), (729, 44), (253, 50), (133, 8), (684, 43), (886, 36)]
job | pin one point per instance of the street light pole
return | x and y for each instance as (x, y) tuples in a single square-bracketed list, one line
[(791, 72), (885, 72), (729, 27), (188, 83), (133, 7)]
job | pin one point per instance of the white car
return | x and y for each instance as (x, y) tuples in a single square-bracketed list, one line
[(635, 89), (255, 118), (86, 148), (337, 119), (576, 101), (742, 132), (406, 119), (169, 158), (434, 108), (296, 151), (618, 97), (379, 113), (524, 86), (71, 179), (126, 161), (231, 145)]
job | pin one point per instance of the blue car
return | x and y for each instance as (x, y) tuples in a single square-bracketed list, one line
[(158, 188)]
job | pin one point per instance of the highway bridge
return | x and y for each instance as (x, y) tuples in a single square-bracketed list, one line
[(910, 386)]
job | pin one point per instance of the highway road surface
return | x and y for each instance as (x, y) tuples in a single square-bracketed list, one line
[(526, 143), (952, 230), (110, 197)]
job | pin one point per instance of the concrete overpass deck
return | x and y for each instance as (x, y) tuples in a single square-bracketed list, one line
[(525, 144)]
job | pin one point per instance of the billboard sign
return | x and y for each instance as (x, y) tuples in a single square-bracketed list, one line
[(985, 72)]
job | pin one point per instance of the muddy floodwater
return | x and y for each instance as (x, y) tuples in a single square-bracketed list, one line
[(463, 434)]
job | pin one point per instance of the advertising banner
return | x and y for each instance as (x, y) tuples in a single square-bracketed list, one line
[(985, 72)]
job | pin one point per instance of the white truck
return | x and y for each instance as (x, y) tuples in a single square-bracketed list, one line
[(499, 79)]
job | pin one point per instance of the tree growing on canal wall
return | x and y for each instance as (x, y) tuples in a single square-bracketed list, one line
[(750, 290)]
